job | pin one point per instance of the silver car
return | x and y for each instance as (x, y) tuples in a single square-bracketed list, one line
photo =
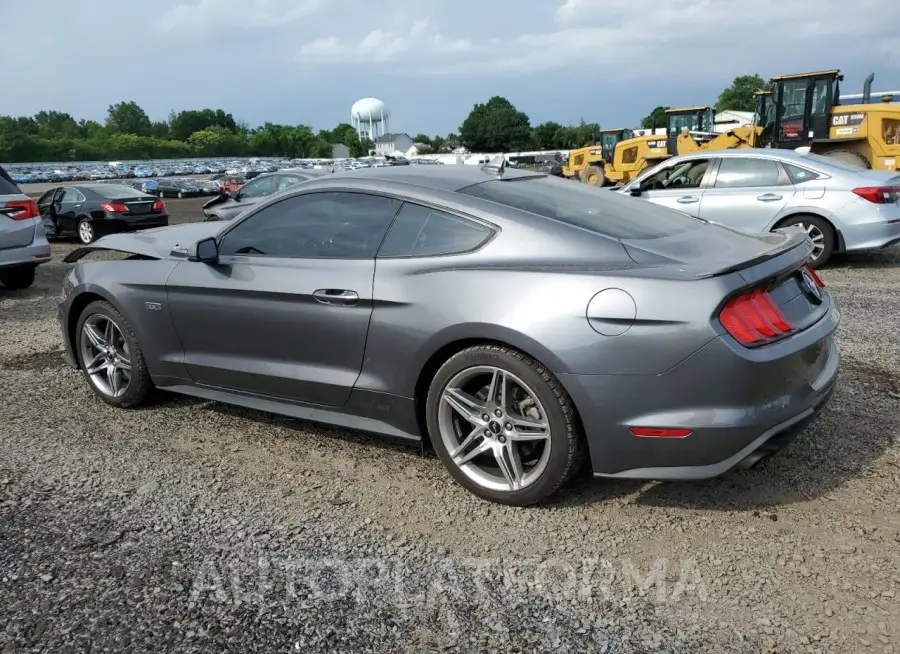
[(23, 244), (228, 205), (519, 323), (841, 207)]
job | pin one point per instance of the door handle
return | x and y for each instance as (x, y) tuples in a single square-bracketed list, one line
[(687, 199), (335, 296), (769, 197)]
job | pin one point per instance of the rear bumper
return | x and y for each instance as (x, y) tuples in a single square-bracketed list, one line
[(867, 226), (36, 253), (740, 404)]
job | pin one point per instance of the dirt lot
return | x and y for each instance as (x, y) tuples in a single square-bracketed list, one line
[(192, 526)]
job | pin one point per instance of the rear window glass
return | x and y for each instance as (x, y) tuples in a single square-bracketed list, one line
[(116, 191), (599, 210), (7, 186), (799, 175)]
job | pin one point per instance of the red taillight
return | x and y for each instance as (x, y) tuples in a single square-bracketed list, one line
[(815, 276), (879, 194), (158, 206), (753, 318), (26, 209), (114, 207), (660, 432)]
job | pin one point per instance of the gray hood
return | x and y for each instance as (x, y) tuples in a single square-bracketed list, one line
[(159, 243)]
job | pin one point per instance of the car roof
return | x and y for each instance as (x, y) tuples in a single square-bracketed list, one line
[(441, 178), (763, 153)]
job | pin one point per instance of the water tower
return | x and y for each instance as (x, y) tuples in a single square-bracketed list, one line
[(369, 117)]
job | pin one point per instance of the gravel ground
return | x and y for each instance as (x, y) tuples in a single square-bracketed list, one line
[(193, 526)]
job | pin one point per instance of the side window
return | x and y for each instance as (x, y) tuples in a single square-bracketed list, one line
[(46, 198), (259, 187), (735, 172), (420, 232), (71, 195), (688, 174), (798, 175), (331, 225)]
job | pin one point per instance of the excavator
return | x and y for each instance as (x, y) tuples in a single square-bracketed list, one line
[(804, 110)]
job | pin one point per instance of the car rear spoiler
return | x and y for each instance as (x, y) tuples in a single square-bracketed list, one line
[(796, 237)]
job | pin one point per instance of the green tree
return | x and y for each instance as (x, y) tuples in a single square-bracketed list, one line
[(127, 118), (216, 141), (547, 135), (740, 96), (496, 126), (184, 123), (656, 118)]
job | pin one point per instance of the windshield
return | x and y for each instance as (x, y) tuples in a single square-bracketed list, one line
[(597, 210)]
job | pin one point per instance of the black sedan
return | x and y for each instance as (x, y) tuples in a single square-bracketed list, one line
[(91, 210), (178, 188)]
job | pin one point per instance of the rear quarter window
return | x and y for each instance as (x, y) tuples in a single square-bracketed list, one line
[(419, 231), (597, 210)]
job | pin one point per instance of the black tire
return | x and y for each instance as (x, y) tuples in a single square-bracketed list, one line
[(80, 236), (140, 385), (850, 157), (566, 444), (827, 230), (18, 277), (594, 173)]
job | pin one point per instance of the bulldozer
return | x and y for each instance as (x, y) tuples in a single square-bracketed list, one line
[(804, 111)]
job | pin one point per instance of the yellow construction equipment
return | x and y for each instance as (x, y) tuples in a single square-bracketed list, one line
[(809, 113), (805, 110)]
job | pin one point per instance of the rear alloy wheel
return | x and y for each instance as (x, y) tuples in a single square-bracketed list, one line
[(820, 233), (86, 232), (17, 278), (503, 425), (110, 356), (161, 194), (180, 195)]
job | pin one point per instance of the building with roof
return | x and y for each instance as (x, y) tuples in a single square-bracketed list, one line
[(388, 144)]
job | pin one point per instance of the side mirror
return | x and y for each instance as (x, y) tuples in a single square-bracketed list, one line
[(206, 251), (635, 191)]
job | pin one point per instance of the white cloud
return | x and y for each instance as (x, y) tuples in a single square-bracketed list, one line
[(218, 16), (421, 39), (694, 40)]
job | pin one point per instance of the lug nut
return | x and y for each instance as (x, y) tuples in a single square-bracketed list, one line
[(498, 412), (508, 426), (485, 417)]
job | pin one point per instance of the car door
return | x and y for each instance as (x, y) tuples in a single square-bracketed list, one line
[(285, 311), (249, 195), (67, 206), (677, 185), (747, 193), (47, 209)]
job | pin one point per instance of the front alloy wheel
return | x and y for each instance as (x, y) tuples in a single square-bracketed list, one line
[(503, 425), (110, 356)]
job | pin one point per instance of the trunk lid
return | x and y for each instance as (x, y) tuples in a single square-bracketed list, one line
[(712, 250)]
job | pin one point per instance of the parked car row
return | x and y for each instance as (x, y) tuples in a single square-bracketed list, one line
[(640, 341)]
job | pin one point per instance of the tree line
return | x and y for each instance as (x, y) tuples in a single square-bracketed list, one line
[(129, 133)]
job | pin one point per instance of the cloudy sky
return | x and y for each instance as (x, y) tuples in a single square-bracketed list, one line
[(307, 61)]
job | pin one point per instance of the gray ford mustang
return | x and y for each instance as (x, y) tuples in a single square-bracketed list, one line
[(518, 322)]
